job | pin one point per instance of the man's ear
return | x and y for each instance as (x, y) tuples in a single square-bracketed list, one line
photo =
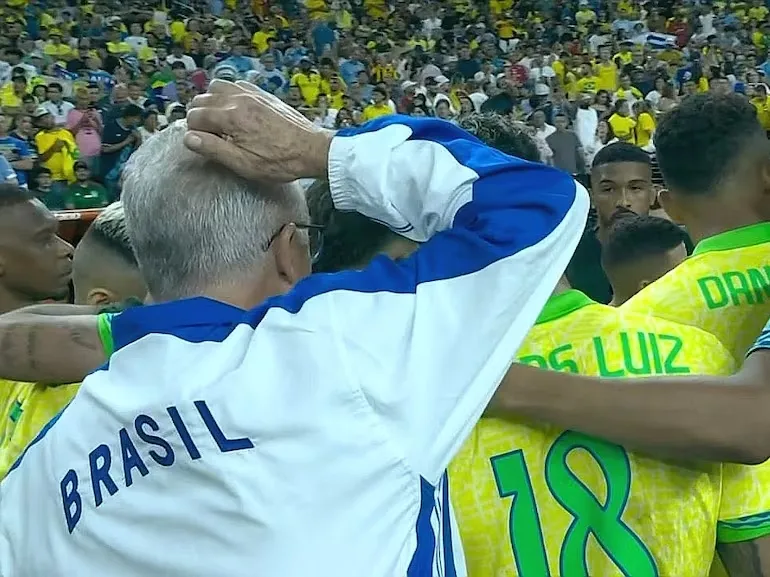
[(290, 252), (101, 297), (670, 206)]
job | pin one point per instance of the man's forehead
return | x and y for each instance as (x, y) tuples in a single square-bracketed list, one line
[(30, 215), (624, 171)]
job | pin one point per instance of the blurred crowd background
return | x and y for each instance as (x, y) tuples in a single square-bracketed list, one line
[(83, 85)]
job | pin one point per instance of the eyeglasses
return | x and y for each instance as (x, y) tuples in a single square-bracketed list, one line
[(315, 238)]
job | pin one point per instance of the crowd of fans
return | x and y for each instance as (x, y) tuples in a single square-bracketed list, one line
[(82, 86)]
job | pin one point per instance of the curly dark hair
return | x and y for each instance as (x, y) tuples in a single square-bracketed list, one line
[(503, 133), (351, 240), (699, 142)]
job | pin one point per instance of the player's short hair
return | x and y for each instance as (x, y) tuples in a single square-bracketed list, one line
[(634, 237), (108, 231), (698, 142), (621, 152), (11, 194), (351, 239)]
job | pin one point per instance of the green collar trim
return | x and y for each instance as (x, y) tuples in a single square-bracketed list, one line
[(737, 238), (562, 304)]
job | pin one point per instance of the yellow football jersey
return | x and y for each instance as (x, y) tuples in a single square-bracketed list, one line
[(25, 408), (535, 501), (723, 288)]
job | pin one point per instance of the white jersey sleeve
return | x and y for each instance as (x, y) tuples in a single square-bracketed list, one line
[(428, 339)]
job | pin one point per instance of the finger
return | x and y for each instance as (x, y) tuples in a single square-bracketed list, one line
[(218, 86), (221, 120), (209, 101), (215, 149), (273, 102), (248, 86)]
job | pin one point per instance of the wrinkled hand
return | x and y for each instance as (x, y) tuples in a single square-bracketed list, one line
[(255, 134)]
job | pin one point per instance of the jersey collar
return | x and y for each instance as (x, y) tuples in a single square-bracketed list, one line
[(196, 319), (562, 304), (737, 238)]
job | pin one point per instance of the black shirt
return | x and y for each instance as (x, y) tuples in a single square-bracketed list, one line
[(585, 272), (114, 133)]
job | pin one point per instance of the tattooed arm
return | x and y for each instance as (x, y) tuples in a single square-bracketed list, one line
[(667, 416), (747, 559), (51, 344)]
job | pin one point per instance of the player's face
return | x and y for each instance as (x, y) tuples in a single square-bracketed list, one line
[(620, 187), (34, 261)]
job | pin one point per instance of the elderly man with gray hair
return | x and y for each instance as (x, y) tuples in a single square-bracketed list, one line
[(259, 421)]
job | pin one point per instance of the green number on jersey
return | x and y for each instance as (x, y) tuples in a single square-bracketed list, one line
[(589, 516)]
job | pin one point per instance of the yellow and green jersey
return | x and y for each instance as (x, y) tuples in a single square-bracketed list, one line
[(25, 408), (535, 501), (723, 288)]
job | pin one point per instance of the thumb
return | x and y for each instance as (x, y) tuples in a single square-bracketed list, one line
[(216, 149)]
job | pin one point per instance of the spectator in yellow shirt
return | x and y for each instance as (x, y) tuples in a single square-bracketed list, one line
[(758, 11), (584, 16), (645, 123), (761, 101), (335, 91), (115, 45), (260, 38), (308, 81), (379, 107), (383, 71), (588, 81), (621, 122), (57, 49), (606, 71), (56, 148), (177, 30), (627, 91), (11, 98), (625, 56)]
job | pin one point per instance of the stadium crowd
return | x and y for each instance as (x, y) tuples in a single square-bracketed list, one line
[(237, 411), (83, 85)]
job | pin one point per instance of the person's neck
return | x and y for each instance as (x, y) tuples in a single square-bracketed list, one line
[(713, 218), (10, 301), (236, 296), (561, 287)]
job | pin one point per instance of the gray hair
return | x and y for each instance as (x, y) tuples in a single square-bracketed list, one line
[(109, 229), (194, 224)]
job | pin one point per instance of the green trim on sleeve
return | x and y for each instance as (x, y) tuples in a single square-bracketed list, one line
[(744, 528), (104, 326)]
